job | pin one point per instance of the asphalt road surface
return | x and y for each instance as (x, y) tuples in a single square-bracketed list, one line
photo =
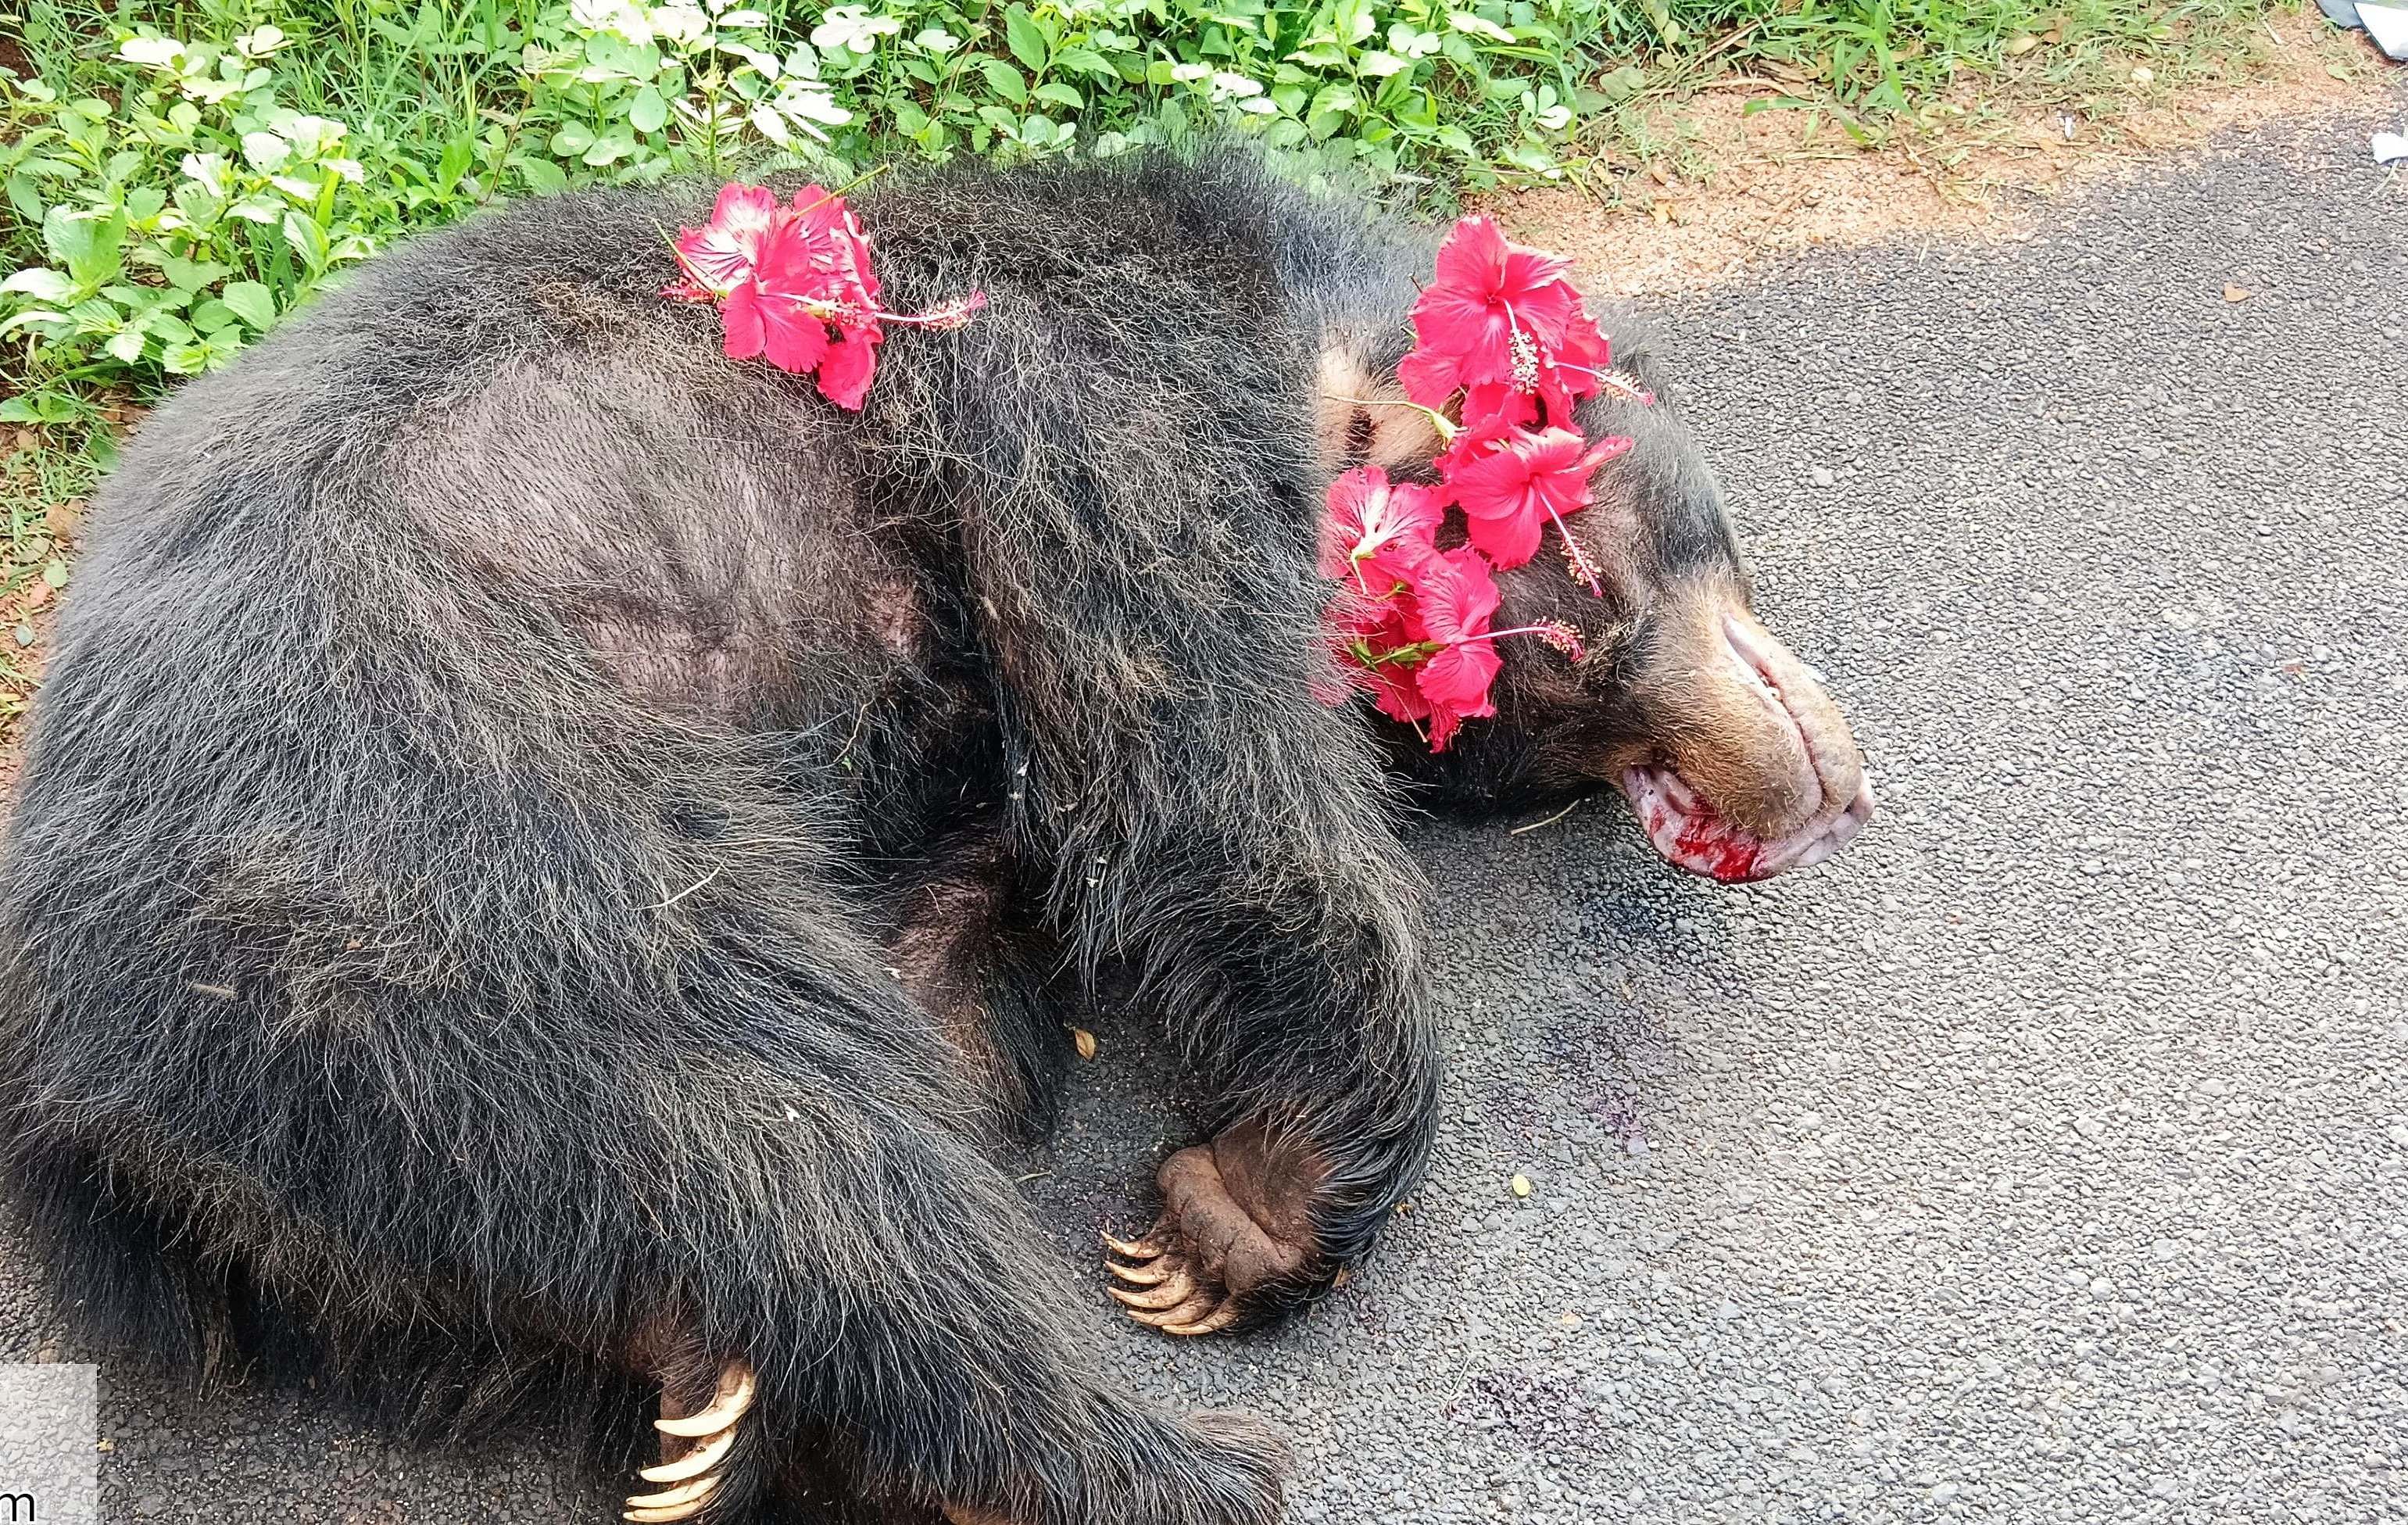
[(2043, 1158)]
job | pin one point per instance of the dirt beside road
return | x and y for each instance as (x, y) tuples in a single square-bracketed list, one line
[(1764, 187)]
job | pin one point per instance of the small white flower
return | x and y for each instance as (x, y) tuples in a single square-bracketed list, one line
[(765, 65), (261, 43), (805, 106), (1187, 74), (1227, 86), (617, 18), (152, 52), (936, 39), (311, 135), (853, 27), (679, 23)]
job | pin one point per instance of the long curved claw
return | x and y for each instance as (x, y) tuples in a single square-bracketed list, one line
[(1212, 1323), (694, 1464), (1142, 1249), (1143, 1276), (1188, 1312), (727, 1406), (669, 1498), (1175, 1289), (681, 1503)]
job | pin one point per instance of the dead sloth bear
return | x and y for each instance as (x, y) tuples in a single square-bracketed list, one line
[(545, 851)]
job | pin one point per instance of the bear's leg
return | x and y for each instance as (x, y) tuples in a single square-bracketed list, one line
[(903, 1334), (962, 940), (1321, 1120)]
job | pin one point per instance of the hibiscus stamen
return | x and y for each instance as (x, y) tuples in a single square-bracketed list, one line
[(1525, 359), (1611, 380), (1576, 557), (1556, 633)]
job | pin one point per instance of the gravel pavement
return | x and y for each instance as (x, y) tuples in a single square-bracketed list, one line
[(2046, 1157)]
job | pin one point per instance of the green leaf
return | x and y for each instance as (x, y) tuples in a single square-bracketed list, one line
[(1028, 41), (1004, 80), (1061, 94), (459, 157), (1623, 83), (192, 275), (25, 196), (251, 303), (612, 147), (34, 317), (1379, 65), (648, 112), (307, 239), (212, 315), (54, 572), (1477, 26), (125, 345), (543, 177), (42, 284), (185, 359), (87, 246), (1335, 100), (572, 141)]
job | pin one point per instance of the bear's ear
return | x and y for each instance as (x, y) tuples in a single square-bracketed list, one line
[(1357, 418)]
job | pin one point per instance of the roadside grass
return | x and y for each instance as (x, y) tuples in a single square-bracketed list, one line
[(439, 106)]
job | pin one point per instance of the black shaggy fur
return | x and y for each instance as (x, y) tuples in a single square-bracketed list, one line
[(543, 849)]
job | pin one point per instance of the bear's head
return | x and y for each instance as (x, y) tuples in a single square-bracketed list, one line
[(1736, 762)]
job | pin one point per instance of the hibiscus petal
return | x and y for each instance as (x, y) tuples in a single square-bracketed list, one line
[(1429, 377), (740, 319), (1510, 541), (1454, 595), (743, 209), (1472, 258), (851, 361), (797, 338), (1460, 678)]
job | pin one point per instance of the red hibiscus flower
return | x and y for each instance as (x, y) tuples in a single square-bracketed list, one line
[(1510, 494), (1493, 412), (785, 277), (1503, 330), (1494, 309), (1575, 369), (721, 256), (1453, 600), (1375, 522), (1375, 642)]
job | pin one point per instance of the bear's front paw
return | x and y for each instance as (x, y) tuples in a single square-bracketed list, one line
[(1235, 1231)]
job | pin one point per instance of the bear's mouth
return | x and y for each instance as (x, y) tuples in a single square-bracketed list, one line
[(1693, 835)]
